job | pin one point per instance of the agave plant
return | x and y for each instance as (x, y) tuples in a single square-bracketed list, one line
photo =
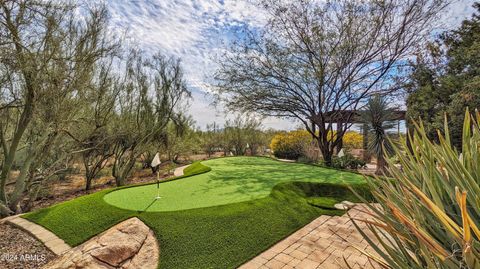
[(429, 212), (378, 118)]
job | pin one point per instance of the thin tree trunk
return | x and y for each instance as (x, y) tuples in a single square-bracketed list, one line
[(339, 131), (381, 165), (327, 154), (20, 184), (366, 154)]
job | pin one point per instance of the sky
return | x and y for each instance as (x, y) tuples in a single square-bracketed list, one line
[(196, 31)]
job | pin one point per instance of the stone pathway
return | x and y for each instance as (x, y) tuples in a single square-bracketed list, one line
[(179, 170), (323, 243), (49, 239)]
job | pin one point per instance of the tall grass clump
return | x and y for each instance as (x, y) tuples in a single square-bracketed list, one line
[(429, 213)]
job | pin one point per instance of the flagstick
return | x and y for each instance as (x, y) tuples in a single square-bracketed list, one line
[(158, 185)]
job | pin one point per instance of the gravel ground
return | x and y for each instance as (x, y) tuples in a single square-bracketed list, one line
[(19, 249)]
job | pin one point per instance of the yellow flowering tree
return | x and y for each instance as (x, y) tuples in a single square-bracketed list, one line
[(290, 145), (352, 140)]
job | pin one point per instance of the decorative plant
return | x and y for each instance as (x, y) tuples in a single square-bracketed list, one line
[(378, 118), (430, 210), (347, 161)]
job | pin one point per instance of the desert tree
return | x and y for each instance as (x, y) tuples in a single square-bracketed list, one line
[(151, 90), (319, 61), (211, 139), (180, 137), (238, 132), (93, 134), (445, 79), (176, 139), (47, 54)]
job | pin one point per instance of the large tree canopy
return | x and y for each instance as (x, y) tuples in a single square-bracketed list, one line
[(47, 55), (313, 59), (447, 79), (64, 91)]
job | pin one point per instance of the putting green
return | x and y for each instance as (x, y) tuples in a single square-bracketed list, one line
[(232, 180)]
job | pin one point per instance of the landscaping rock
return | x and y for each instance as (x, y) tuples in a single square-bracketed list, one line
[(127, 245), (340, 206), (348, 204)]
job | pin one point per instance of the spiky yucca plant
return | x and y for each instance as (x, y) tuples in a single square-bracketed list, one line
[(430, 210), (377, 117)]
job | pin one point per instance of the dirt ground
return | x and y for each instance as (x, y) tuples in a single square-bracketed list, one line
[(74, 186), (19, 249)]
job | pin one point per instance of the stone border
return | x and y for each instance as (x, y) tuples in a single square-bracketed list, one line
[(179, 170), (285, 160), (49, 239)]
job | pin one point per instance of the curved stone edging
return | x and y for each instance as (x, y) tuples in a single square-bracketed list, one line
[(49, 239), (285, 160), (179, 170)]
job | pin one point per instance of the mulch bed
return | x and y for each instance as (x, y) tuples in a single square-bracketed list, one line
[(18, 249)]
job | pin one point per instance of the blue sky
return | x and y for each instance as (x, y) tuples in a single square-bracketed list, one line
[(196, 31)]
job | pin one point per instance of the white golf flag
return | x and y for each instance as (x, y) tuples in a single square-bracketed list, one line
[(156, 160)]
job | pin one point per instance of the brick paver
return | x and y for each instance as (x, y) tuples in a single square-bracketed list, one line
[(324, 243)]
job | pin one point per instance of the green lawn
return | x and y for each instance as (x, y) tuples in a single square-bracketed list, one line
[(222, 236), (231, 180)]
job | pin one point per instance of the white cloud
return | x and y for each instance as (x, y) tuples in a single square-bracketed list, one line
[(194, 30), (189, 29)]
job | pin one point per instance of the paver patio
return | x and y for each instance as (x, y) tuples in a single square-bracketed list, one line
[(323, 243)]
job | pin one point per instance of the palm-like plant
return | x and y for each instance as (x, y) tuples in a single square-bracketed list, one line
[(430, 210), (377, 117)]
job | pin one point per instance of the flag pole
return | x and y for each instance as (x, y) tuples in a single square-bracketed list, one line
[(156, 163), (158, 185)]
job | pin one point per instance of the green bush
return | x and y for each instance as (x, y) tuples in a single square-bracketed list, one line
[(348, 161)]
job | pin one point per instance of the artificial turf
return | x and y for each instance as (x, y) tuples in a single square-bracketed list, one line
[(223, 236), (231, 180)]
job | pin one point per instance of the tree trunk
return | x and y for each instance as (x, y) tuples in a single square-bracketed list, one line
[(381, 165), (88, 184), (20, 184), (366, 155), (4, 210), (124, 171), (327, 154), (339, 131), (88, 175)]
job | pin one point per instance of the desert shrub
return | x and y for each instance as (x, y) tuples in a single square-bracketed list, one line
[(348, 161), (352, 140), (430, 213), (305, 159), (290, 145)]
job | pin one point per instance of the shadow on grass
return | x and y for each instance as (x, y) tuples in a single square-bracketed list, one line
[(213, 237), (255, 177)]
